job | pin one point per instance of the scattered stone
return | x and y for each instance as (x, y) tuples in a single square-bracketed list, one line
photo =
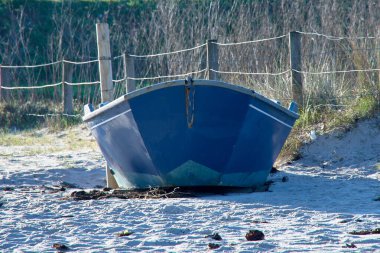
[(80, 195), (254, 235), (8, 189), (366, 232), (124, 233), (284, 179), (66, 216), (351, 246), (274, 170), (59, 246), (259, 221), (214, 236), (213, 246)]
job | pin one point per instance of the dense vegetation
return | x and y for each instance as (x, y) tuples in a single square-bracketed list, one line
[(33, 32)]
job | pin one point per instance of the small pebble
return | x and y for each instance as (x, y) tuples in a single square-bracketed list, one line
[(351, 246), (254, 235), (59, 246), (215, 236), (213, 246), (124, 233)]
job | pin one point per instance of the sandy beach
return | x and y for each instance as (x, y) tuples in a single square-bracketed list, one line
[(312, 205)]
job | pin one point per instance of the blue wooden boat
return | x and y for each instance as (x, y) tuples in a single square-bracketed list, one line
[(191, 133)]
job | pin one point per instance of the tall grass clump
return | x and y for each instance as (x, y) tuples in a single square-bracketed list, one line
[(22, 116)]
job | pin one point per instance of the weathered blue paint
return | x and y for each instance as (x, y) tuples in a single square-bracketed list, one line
[(205, 133)]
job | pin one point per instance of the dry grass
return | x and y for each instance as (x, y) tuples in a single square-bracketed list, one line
[(34, 142)]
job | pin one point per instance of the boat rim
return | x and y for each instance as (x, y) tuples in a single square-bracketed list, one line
[(183, 82)]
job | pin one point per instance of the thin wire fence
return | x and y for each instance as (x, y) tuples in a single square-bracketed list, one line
[(334, 68)]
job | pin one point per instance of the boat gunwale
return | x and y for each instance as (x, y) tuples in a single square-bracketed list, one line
[(182, 82)]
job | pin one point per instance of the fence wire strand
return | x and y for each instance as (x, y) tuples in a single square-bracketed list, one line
[(82, 83), (30, 87), (54, 115), (119, 80), (167, 53), (249, 42), (168, 76), (251, 73), (30, 66), (335, 71), (331, 37), (80, 62)]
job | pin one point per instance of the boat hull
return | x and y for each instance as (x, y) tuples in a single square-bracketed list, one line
[(203, 133)]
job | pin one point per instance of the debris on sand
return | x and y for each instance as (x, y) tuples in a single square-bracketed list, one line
[(54, 189), (156, 193), (254, 235), (7, 189), (124, 233), (59, 246), (214, 236), (366, 232), (259, 221), (213, 246), (350, 246)]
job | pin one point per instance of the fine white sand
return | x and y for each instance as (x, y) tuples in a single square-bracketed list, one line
[(331, 191)]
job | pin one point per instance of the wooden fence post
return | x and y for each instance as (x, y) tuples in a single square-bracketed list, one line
[(67, 90), (129, 71), (1, 84), (105, 72), (295, 65), (212, 60), (104, 57)]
